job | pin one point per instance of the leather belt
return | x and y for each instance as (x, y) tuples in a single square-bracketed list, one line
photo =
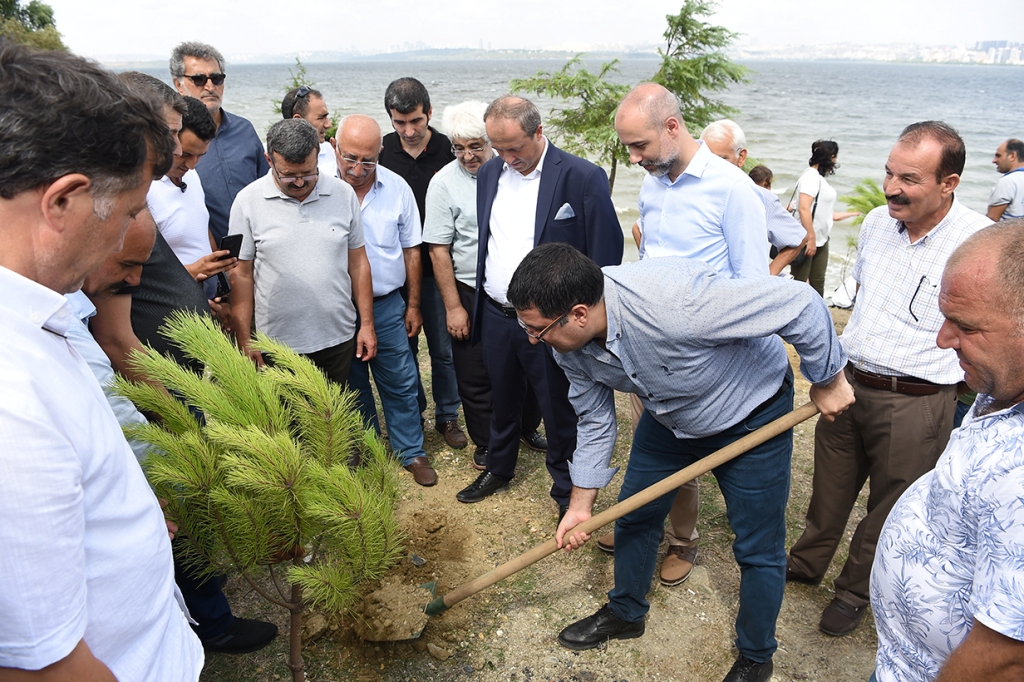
[(506, 310), (905, 385)]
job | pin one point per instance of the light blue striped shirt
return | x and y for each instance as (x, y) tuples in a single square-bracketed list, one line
[(699, 349)]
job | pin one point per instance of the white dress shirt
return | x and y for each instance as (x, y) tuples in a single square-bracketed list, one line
[(513, 226), (85, 546)]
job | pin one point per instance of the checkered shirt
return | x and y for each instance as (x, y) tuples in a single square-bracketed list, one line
[(896, 318)]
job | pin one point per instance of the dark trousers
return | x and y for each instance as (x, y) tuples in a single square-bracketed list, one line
[(336, 361), (475, 385), (205, 601), (510, 359), (755, 486)]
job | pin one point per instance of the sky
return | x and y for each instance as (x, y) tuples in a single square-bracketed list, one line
[(244, 28)]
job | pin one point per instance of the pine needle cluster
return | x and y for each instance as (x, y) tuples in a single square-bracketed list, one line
[(255, 465)]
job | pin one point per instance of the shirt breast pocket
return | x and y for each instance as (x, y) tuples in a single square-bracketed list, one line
[(923, 306)]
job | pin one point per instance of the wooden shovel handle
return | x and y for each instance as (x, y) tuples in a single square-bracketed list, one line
[(702, 466)]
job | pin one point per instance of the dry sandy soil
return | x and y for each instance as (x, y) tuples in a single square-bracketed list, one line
[(507, 632)]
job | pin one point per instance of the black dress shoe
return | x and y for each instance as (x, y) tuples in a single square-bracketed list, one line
[(480, 458), (600, 627), (243, 636), (563, 509), (535, 441), (485, 485), (746, 670)]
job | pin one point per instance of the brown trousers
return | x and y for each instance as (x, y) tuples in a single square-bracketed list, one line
[(682, 518), (890, 438)]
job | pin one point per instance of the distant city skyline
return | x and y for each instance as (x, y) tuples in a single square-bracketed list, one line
[(147, 29)]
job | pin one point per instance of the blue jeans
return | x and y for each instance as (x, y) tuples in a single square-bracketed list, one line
[(443, 385), (394, 372), (755, 486)]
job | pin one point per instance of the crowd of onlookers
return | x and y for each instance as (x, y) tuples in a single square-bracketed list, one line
[(124, 200)]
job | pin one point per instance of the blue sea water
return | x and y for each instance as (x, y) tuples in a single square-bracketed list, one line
[(783, 107)]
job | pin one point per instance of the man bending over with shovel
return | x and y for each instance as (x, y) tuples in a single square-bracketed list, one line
[(700, 351)]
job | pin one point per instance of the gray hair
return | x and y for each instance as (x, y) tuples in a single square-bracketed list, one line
[(512, 108), (61, 114), (1006, 238), (193, 49), (719, 131), (293, 138), (465, 121)]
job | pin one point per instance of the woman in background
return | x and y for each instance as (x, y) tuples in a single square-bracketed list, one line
[(816, 212)]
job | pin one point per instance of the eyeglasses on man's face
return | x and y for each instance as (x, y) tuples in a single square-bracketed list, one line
[(292, 179), (352, 161), (540, 335), (200, 78), (475, 150)]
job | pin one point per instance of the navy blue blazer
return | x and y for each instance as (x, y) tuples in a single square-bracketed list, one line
[(565, 179)]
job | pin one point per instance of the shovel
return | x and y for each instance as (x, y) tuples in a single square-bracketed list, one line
[(704, 465)]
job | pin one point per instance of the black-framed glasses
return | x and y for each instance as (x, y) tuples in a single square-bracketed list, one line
[(540, 335), (200, 78), (923, 280), (367, 165), (292, 179), (472, 151)]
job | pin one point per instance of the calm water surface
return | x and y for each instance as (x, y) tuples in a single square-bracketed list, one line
[(783, 108)]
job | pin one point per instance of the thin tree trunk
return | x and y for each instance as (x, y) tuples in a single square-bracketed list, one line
[(611, 176), (295, 663)]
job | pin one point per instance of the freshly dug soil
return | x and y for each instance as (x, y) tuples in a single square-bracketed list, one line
[(394, 612)]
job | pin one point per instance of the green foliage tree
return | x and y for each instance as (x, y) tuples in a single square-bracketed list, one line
[(297, 79), (30, 25), (693, 66), (264, 479), (866, 195)]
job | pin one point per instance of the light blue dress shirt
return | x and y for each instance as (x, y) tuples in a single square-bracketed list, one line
[(391, 222), (79, 337), (784, 231), (712, 213), (699, 350)]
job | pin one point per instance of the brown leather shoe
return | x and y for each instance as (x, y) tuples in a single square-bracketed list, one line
[(606, 543), (840, 619), (453, 435), (422, 472), (678, 563)]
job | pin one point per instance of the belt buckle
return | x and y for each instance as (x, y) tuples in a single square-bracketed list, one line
[(895, 385)]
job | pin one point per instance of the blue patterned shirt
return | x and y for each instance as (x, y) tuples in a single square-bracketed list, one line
[(952, 550), (698, 348)]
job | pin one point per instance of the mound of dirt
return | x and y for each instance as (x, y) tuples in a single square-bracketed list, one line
[(394, 612)]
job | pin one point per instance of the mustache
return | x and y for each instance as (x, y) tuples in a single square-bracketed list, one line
[(899, 199)]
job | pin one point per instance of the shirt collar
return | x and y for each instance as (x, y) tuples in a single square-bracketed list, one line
[(701, 158), (540, 164), (40, 306), (901, 227), (81, 306)]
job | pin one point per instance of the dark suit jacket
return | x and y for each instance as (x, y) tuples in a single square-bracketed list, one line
[(565, 179)]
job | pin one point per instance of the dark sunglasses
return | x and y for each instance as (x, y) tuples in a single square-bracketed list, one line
[(200, 79)]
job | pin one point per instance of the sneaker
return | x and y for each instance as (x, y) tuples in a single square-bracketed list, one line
[(243, 636)]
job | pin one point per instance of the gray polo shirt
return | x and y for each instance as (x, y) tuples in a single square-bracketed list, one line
[(451, 218), (303, 290)]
